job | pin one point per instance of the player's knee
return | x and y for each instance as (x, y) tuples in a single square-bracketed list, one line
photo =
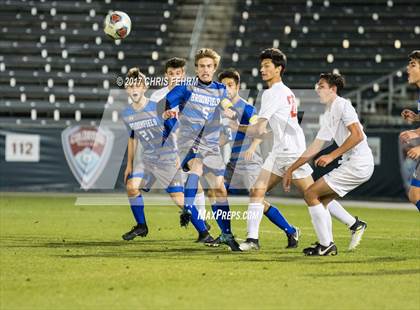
[(220, 192), (257, 192), (133, 191), (310, 196)]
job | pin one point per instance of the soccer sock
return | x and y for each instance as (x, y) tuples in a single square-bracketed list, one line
[(198, 222), (340, 213), (279, 220), (255, 214), (191, 189), (329, 224), (137, 207), (418, 205), (200, 204), (221, 213), (319, 221)]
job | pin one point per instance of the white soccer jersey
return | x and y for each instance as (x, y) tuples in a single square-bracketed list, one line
[(334, 124), (278, 106), (159, 94)]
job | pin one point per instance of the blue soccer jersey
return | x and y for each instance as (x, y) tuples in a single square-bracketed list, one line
[(247, 115), (148, 127), (200, 112)]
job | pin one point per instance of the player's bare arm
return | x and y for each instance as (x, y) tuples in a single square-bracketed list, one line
[(414, 153), (254, 130), (407, 135), (355, 137), (310, 153), (410, 116), (252, 148)]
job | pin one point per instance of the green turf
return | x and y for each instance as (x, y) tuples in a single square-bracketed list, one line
[(55, 255)]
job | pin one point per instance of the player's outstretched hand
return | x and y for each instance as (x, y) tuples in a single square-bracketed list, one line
[(287, 181), (324, 160), (414, 153), (409, 115), (407, 135), (169, 114), (127, 172)]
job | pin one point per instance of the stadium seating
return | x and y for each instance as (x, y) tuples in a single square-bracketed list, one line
[(55, 59), (363, 40)]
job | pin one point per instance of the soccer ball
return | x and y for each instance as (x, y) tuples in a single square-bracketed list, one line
[(117, 25)]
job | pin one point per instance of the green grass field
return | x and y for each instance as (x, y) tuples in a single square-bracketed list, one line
[(55, 255)]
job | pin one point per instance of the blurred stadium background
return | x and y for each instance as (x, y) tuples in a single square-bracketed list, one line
[(57, 69)]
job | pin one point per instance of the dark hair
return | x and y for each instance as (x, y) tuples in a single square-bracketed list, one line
[(414, 55), (277, 57), (229, 74), (175, 62), (333, 79)]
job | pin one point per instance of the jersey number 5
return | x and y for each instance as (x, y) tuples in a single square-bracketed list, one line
[(293, 108)]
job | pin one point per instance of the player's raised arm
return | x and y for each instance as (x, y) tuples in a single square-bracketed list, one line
[(175, 97)]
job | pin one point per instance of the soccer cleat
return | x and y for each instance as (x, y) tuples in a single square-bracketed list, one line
[(184, 217), (227, 239), (320, 250), (138, 230), (216, 242), (357, 231), (204, 237), (249, 244), (230, 241), (293, 239)]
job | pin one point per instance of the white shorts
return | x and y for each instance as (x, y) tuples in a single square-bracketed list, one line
[(349, 175), (279, 165)]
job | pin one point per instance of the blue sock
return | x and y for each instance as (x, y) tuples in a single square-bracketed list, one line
[(279, 220), (418, 205), (198, 223), (137, 207), (190, 189), (222, 216)]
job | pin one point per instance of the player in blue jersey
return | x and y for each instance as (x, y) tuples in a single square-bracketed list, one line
[(200, 108), (174, 73), (245, 162), (158, 160), (410, 137)]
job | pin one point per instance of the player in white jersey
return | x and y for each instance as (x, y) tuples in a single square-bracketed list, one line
[(341, 124), (279, 110), (410, 138)]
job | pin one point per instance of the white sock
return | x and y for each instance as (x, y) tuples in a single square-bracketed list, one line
[(340, 213), (319, 220), (329, 223), (255, 214), (200, 204)]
